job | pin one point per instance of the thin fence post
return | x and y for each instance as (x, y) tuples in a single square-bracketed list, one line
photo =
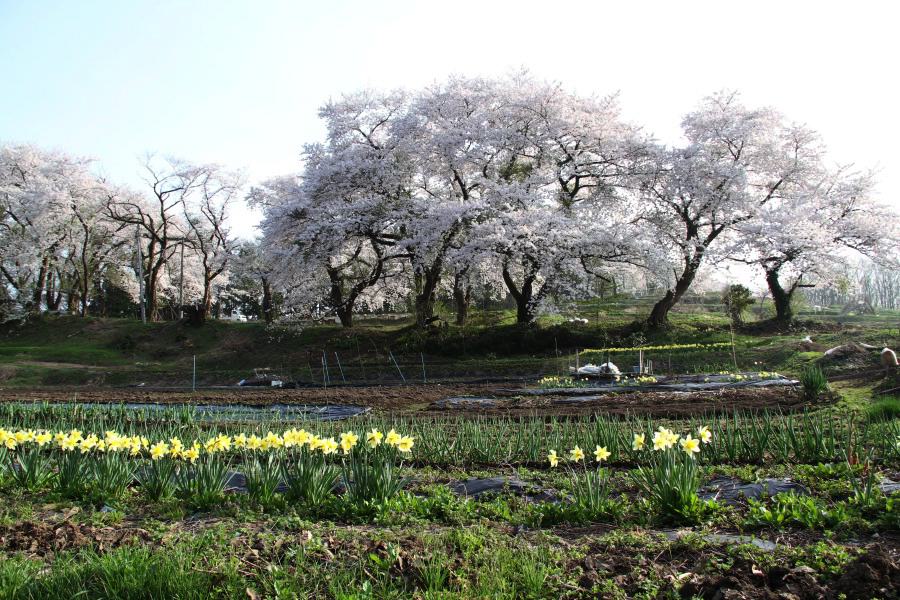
[(396, 365), (340, 368), (194, 378), (324, 370), (424, 377), (556, 357), (733, 353), (362, 367)]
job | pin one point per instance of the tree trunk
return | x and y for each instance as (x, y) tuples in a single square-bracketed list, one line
[(53, 298), (343, 303), (203, 308), (85, 292), (782, 297), (267, 313), (462, 296), (523, 296), (426, 285), (152, 295), (659, 316), (345, 316), (39, 285), (54, 294), (73, 299)]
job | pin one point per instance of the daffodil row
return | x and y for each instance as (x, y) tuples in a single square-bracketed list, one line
[(76, 441), (663, 439), (657, 348)]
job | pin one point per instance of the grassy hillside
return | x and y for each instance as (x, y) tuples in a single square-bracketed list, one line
[(62, 350)]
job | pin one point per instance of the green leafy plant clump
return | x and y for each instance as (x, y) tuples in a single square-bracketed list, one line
[(814, 382)]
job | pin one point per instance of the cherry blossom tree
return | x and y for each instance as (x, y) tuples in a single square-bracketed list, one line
[(159, 218), (56, 237), (334, 232), (807, 236), (737, 160), (206, 213), (556, 217)]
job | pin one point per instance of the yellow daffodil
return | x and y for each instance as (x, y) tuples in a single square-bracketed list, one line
[(601, 453), (553, 458), (87, 444), (43, 438), (705, 434), (295, 437), (373, 438), (159, 450), (406, 444), (690, 445), (660, 440), (348, 441), (638, 442), (328, 446), (272, 440), (68, 443), (576, 454), (191, 454), (664, 439), (393, 438)]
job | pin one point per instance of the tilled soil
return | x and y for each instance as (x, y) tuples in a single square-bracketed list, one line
[(43, 539), (419, 398), (378, 397)]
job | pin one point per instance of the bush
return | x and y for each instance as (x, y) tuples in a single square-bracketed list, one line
[(737, 300), (814, 382)]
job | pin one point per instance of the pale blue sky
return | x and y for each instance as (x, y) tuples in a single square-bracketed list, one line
[(239, 82)]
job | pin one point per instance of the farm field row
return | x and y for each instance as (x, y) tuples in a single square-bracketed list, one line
[(470, 507)]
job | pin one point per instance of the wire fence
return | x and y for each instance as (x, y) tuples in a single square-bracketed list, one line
[(336, 368)]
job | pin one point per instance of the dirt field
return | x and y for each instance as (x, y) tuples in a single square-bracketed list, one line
[(419, 399)]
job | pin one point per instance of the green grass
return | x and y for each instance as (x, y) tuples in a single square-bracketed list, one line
[(885, 408), (125, 573)]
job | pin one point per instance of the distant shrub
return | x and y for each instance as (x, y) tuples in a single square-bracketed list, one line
[(737, 299), (813, 381)]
